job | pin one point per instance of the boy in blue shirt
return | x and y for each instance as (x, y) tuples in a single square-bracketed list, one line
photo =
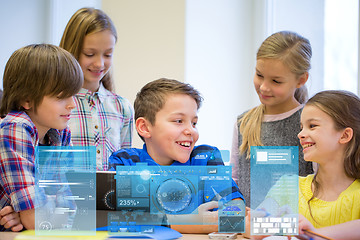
[(39, 83), (165, 119)]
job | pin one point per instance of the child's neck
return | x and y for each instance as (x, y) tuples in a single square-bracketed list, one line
[(333, 181), (274, 110), (93, 87)]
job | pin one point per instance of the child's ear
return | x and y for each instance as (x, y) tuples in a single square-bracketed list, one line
[(26, 105), (142, 127), (303, 79), (347, 135)]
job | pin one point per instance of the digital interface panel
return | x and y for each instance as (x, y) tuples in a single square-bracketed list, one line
[(232, 217), (274, 190), (148, 195), (65, 190)]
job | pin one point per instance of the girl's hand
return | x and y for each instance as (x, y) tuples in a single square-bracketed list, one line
[(304, 224), (10, 219)]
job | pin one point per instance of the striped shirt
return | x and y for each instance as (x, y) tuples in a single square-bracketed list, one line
[(19, 137), (102, 119)]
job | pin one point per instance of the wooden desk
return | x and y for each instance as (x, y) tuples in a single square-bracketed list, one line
[(11, 236)]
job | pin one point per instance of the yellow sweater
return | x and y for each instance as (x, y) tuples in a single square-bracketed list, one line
[(344, 209)]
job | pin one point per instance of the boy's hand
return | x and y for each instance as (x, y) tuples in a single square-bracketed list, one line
[(207, 216), (10, 219)]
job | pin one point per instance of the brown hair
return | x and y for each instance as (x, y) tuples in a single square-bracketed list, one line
[(344, 109), (83, 22), (152, 97), (295, 52), (39, 70)]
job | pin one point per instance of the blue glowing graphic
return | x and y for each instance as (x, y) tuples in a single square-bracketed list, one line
[(65, 190), (274, 190), (232, 217), (148, 195)]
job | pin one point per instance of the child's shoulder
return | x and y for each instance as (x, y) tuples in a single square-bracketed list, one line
[(204, 147), (206, 155), (128, 153), (16, 118), (109, 94), (113, 97), (16, 128), (126, 157)]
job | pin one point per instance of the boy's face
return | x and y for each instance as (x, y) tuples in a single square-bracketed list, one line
[(52, 112), (174, 133)]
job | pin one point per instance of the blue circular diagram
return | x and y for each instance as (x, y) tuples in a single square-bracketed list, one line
[(174, 195)]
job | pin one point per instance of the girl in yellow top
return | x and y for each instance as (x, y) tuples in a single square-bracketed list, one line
[(330, 136), (329, 200)]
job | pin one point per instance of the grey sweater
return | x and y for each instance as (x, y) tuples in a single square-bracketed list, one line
[(277, 133)]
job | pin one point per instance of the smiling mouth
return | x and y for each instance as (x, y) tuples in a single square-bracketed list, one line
[(96, 71), (184, 144), (307, 145), (264, 96), (67, 116)]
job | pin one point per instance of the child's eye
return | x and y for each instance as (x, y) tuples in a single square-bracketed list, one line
[(178, 121), (194, 124), (88, 54), (312, 125), (108, 55), (275, 81), (259, 75)]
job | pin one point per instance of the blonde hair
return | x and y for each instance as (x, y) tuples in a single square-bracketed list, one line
[(86, 21), (294, 51), (36, 71)]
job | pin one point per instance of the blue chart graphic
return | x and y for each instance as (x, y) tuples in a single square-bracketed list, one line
[(274, 190), (232, 217), (146, 195), (65, 190)]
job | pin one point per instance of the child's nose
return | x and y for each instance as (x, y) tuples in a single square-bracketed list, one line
[(264, 86), (71, 103), (189, 129), (301, 134), (99, 61)]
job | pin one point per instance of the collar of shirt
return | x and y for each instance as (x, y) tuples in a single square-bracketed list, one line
[(101, 94)]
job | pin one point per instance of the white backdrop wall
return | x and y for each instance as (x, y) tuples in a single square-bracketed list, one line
[(210, 44), (150, 43), (25, 22)]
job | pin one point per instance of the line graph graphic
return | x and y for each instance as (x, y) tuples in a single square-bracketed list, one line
[(231, 224)]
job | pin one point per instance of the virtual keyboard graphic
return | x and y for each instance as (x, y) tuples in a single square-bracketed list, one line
[(275, 225)]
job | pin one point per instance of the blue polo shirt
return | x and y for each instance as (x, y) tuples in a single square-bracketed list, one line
[(202, 155)]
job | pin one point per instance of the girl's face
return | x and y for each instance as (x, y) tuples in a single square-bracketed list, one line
[(96, 57), (275, 85), (320, 141)]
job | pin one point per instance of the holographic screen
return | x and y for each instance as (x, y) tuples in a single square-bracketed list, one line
[(65, 190), (274, 190)]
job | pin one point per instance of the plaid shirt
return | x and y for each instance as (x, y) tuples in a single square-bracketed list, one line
[(102, 119), (202, 155), (19, 137)]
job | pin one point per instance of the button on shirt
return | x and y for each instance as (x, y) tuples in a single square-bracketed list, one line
[(102, 119)]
